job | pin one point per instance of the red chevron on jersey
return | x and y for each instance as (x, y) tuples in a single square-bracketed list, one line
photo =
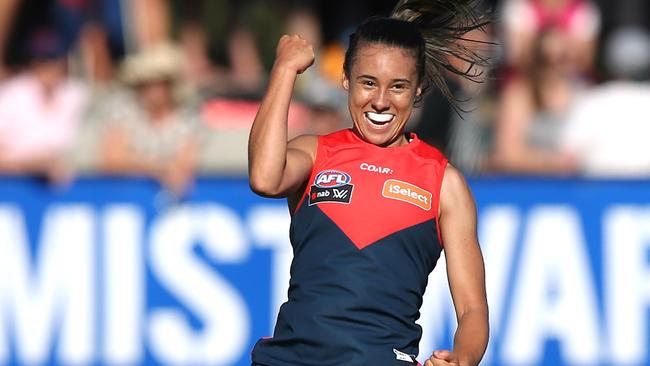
[(384, 190)]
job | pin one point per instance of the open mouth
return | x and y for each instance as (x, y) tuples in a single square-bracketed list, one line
[(379, 119)]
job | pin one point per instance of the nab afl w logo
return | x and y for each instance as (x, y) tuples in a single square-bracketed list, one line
[(331, 186)]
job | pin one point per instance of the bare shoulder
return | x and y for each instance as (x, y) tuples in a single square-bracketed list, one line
[(454, 192)]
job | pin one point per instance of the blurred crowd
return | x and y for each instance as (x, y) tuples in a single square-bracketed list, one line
[(168, 89)]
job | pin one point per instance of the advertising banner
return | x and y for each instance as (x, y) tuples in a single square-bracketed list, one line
[(114, 271)]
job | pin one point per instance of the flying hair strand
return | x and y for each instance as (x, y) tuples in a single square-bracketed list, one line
[(443, 25)]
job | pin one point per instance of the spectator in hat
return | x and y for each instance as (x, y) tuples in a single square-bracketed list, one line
[(147, 130)]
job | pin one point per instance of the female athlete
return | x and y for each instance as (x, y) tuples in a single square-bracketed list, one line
[(372, 207)]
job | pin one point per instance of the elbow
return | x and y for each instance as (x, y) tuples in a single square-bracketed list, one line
[(263, 186)]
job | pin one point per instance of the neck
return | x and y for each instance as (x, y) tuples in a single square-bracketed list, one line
[(401, 140), (159, 114)]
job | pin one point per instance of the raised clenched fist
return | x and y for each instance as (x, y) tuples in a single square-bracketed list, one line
[(294, 53)]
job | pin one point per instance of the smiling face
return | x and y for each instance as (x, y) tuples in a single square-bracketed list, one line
[(382, 86)]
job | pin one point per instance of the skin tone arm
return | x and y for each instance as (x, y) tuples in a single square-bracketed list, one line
[(277, 168), (117, 157), (7, 13), (176, 173), (465, 271), (512, 153), (52, 166)]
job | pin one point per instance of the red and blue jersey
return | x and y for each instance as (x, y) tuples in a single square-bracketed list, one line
[(365, 237)]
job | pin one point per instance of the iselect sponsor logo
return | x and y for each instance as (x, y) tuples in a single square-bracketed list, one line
[(407, 192)]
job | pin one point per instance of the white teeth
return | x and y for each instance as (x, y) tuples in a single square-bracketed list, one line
[(380, 117)]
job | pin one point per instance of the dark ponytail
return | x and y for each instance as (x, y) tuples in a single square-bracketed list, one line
[(434, 31), (443, 25)]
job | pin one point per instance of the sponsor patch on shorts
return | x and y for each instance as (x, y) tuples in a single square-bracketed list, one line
[(407, 192), (399, 355), (331, 186)]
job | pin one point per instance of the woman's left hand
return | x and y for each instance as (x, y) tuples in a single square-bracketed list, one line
[(442, 358)]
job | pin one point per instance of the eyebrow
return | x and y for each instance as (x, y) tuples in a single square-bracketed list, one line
[(375, 79)]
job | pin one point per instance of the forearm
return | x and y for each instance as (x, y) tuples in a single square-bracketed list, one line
[(118, 156), (531, 160), (183, 166), (471, 338), (128, 163), (33, 165), (268, 138), (7, 13)]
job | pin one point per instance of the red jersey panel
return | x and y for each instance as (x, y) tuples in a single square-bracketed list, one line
[(370, 191)]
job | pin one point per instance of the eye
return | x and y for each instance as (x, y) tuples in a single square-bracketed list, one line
[(399, 87), (368, 83)]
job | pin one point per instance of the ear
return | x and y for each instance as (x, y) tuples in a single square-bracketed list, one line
[(418, 91), (345, 82)]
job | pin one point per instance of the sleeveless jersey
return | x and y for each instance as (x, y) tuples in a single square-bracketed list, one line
[(365, 238)]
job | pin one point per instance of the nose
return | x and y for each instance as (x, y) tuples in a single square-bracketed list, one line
[(379, 101)]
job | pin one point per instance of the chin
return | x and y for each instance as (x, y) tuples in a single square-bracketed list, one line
[(379, 134), (379, 139)]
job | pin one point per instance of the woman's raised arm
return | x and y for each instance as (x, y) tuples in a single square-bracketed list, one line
[(277, 168)]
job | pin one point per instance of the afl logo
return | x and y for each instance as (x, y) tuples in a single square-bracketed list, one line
[(331, 186), (332, 179)]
